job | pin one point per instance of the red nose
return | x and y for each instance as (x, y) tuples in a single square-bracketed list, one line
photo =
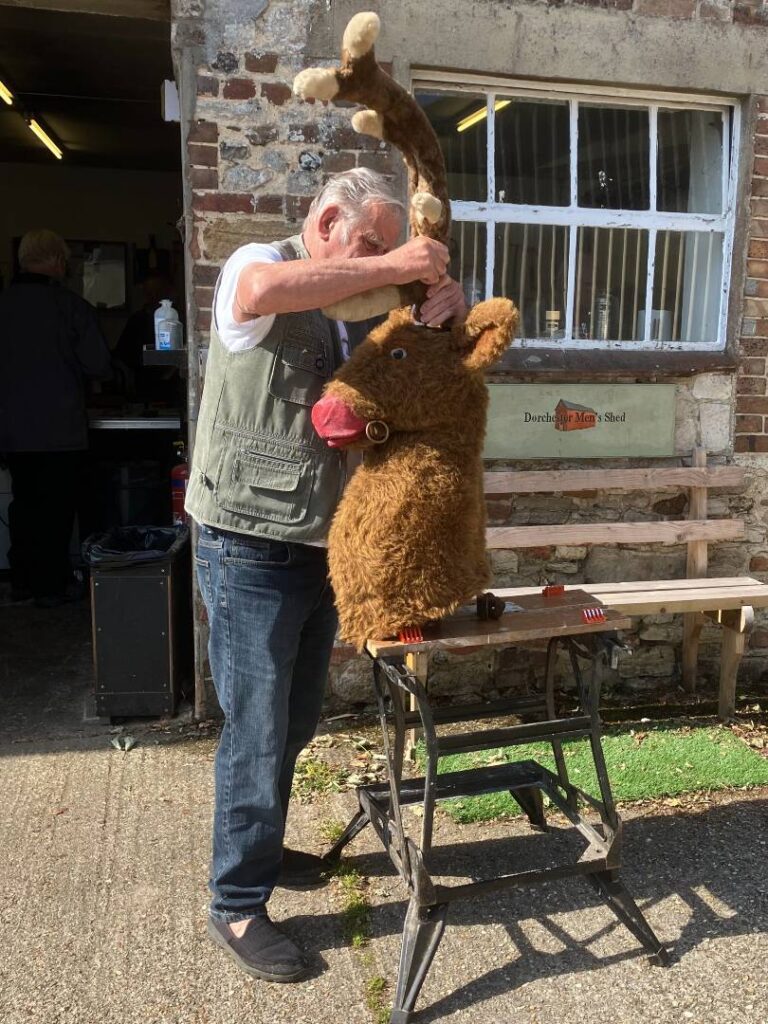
[(336, 423)]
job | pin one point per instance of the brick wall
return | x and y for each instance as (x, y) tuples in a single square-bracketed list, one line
[(257, 157), (751, 422)]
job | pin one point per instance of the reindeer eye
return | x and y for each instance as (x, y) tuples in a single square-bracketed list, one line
[(398, 353)]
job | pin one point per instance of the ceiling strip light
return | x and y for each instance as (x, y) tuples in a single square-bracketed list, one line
[(44, 138), (478, 115), (6, 94)]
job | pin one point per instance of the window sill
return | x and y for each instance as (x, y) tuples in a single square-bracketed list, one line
[(559, 364)]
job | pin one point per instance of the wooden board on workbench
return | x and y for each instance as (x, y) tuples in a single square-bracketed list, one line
[(539, 618)]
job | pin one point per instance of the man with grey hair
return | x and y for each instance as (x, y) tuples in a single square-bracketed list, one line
[(263, 488), (50, 343)]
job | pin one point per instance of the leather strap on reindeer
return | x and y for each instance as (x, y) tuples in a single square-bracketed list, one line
[(393, 115)]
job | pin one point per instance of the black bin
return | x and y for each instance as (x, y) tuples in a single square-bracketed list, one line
[(141, 612)]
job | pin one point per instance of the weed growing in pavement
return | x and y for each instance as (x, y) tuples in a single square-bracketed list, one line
[(331, 830), (314, 777), (375, 989), (356, 917), (357, 909)]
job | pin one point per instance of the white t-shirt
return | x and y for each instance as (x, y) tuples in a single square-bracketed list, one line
[(237, 337)]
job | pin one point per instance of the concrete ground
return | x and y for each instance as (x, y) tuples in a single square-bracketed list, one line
[(103, 855)]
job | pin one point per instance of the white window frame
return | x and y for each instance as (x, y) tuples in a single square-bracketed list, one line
[(491, 213)]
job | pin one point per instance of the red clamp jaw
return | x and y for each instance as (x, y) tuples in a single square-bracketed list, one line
[(554, 590), (410, 635), (592, 615)]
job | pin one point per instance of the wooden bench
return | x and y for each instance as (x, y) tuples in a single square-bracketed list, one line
[(728, 602)]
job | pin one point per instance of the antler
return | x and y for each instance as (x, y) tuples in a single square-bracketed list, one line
[(395, 116)]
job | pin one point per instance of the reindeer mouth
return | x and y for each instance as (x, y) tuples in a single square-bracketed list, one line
[(339, 426)]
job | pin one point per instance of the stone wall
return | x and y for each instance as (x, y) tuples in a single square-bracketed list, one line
[(255, 156)]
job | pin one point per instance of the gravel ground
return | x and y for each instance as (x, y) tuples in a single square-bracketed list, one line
[(104, 856)]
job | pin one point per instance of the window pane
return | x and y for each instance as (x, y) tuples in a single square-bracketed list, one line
[(467, 266), (690, 163), (466, 151), (686, 286), (611, 274), (532, 153), (531, 267), (614, 158)]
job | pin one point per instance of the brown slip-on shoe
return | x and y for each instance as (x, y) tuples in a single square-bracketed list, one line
[(262, 951)]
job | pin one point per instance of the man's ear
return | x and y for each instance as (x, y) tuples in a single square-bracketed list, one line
[(326, 221), (487, 332)]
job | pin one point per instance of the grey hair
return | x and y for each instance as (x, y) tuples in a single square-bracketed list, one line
[(353, 191), (41, 246)]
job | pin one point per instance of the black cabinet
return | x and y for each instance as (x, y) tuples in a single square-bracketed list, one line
[(142, 634)]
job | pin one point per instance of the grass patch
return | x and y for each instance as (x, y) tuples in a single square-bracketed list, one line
[(375, 999), (331, 830), (659, 761), (356, 911), (356, 922), (314, 777)]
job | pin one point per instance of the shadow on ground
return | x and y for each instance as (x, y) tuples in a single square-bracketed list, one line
[(47, 680), (707, 868)]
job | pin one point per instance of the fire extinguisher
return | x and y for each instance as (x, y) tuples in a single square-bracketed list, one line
[(179, 480)]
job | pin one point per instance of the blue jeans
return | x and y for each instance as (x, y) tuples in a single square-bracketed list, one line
[(272, 625)]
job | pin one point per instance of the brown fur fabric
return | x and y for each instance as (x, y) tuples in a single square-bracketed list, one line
[(407, 544)]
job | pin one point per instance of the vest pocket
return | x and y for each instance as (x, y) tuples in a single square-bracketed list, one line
[(302, 366), (264, 485)]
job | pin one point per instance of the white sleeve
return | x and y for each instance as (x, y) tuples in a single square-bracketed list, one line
[(235, 336)]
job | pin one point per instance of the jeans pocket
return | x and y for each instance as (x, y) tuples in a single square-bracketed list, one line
[(257, 553), (209, 539), (203, 571)]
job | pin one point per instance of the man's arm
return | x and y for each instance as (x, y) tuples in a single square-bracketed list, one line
[(265, 289), (89, 345)]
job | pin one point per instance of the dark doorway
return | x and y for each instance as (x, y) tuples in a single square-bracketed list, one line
[(93, 83)]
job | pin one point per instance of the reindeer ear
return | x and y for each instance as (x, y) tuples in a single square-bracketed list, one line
[(486, 333)]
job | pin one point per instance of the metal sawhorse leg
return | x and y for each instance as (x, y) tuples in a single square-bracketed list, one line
[(381, 805)]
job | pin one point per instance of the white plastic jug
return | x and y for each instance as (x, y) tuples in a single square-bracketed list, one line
[(167, 327)]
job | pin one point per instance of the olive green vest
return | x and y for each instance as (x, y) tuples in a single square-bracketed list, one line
[(258, 466)]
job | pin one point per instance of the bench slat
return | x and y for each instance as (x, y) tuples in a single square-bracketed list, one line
[(674, 602), (668, 531), (550, 481), (647, 585), (708, 596)]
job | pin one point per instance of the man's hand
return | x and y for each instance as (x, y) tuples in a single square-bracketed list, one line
[(418, 259), (444, 301)]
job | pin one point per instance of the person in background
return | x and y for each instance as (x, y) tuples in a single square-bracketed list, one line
[(50, 344), (148, 383)]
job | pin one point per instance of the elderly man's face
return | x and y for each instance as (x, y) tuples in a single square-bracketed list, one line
[(375, 234)]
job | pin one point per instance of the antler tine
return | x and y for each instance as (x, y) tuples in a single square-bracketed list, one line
[(393, 115)]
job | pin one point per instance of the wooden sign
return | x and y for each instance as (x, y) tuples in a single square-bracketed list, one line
[(580, 421)]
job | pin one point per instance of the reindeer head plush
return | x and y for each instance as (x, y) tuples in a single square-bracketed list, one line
[(407, 544)]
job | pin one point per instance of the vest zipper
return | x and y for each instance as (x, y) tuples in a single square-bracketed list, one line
[(338, 360)]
